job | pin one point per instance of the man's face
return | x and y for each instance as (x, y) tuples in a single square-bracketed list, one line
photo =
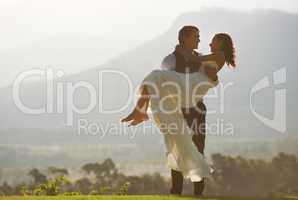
[(192, 42)]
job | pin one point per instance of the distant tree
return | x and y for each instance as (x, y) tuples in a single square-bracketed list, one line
[(22, 189), (51, 187), (286, 167), (57, 171), (1, 175), (6, 189), (123, 190), (147, 184), (257, 177), (37, 176), (91, 167), (83, 185), (105, 172)]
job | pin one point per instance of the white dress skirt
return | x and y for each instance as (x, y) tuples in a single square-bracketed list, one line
[(169, 91)]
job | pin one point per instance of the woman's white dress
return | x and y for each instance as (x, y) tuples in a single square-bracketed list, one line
[(172, 90)]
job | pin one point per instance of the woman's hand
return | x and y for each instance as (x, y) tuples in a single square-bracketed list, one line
[(180, 50), (188, 56)]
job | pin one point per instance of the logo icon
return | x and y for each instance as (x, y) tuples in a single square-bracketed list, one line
[(278, 122)]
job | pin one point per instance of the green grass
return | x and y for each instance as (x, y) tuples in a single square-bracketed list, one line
[(132, 197)]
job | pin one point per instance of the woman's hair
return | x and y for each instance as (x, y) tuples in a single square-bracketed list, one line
[(227, 48)]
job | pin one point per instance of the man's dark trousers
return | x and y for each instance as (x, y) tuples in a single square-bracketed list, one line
[(196, 119)]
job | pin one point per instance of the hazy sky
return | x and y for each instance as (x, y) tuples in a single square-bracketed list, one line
[(26, 21)]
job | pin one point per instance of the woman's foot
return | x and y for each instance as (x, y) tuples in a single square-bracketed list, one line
[(135, 117)]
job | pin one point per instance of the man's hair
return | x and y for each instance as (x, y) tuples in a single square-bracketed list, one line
[(185, 32)]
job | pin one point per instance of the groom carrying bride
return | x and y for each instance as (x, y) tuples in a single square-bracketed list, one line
[(189, 38), (194, 74)]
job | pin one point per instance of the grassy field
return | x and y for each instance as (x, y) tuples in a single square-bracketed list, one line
[(134, 197)]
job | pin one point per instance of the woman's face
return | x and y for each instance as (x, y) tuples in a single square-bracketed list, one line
[(215, 45)]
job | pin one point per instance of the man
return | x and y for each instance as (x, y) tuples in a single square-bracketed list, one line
[(189, 39)]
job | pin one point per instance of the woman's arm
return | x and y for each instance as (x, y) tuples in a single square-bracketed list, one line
[(217, 57)]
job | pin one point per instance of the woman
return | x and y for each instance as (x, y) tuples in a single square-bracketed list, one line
[(168, 91)]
